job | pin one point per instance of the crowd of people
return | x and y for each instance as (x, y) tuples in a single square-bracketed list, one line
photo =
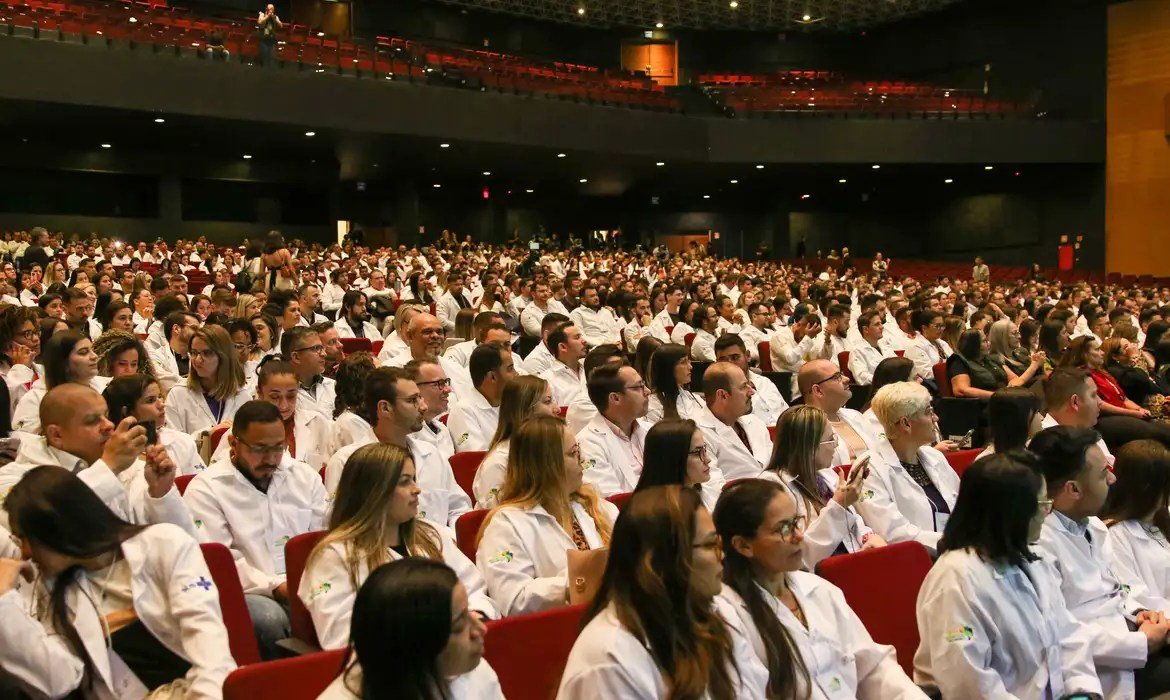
[(811, 433)]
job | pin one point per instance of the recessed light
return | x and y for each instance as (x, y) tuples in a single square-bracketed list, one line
[(842, 181), (948, 180), (659, 25), (320, 34), (310, 133), (529, 191), (583, 180), (733, 4), (660, 164), (106, 145), (580, 10), (806, 17), (706, 196), (437, 185), (759, 167), (560, 155), (805, 196), (989, 167), (444, 145), (877, 167), (160, 120), (735, 182), (247, 156), (487, 172)]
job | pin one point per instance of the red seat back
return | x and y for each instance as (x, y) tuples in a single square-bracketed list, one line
[(352, 345), (376, 346), (619, 499), (181, 482), (843, 362), (237, 620), (688, 339), (467, 531), (296, 555), (527, 669), (772, 432), (464, 465), (943, 381), (962, 459), (888, 610), (299, 678), (765, 350), (216, 436)]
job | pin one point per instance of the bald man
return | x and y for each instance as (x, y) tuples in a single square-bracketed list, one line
[(424, 340), (134, 479), (824, 385), (737, 441)]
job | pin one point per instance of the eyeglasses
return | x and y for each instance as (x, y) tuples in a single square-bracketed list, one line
[(203, 354), (836, 377), (438, 383), (263, 449), (715, 544), (700, 452), (312, 348), (27, 335), (788, 528), (636, 387), (1045, 506), (242, 346)]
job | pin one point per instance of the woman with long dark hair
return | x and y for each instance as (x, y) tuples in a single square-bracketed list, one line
[(1085, 352), (670, 377), (800, 626), (121, 610), (654, 630), (975, 372), (140, 395), (1052, 338), (374, 521), (348, 425), (1014, 416), (991, 617), (414, 636), (68, 357), (1139, 522), (680, 458)]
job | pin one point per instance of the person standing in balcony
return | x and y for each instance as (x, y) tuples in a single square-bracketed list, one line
[(268, 22)]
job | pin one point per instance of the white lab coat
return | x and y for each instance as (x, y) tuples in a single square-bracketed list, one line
[(254, 525), (833, 527), (598, 327), (472, 423), (999, 632), (565, 384), (489, 477), (752, 337), (480, 683), (730, 458), (842, 659), (166, 367), (182, 450), (187, 409), (446, 309), (27, 416), (1096, 598), (703, 346), (349, 428), (897, 508), (461, 352), (767, 402), (538, 360), (175, 599), (607, 661), (1141, 562), (660, 324), (127, 495), (19, 380), (875, 443), (523, 556), (688, 405), (321, 399), (612, 464), (442, 499), (439, 436), (369, 330), (313, 434), (864, 359), (925, 355), (393, 345), (328, 591)]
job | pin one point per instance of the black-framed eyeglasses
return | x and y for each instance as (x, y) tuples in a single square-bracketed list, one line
[(636, 387), (438, 383), (263, 449), (700, 452), (835, 377), (312, 348)]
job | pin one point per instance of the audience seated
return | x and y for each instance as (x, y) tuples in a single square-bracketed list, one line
[(680, 458), (612, 444), (474, 420), (738, 442), (1137, 522)]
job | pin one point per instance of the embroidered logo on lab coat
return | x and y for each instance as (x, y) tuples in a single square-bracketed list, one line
[(198, 524), (590, 463), (835, 684), (200, 582), (960, 634), (319, 590), (462, 439), (504, 556)]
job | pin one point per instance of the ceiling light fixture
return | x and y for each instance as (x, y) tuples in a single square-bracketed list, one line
[(320, 34), (444, 145), (948, 180), (706, 196), (487, 173), (733, 4), (660, 164), (310, 133), (560, 155), (580, 10), (529, 191), (842, 181), (805, 196), (759, 167), (133, 20), (735, 182), (989, 167), (437, 185), (247, 156), (583, 180), (659, 25), (806, 17), (159, 120), (106, 145), (877, 167)]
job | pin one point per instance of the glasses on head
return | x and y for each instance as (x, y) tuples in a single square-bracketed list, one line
[(835, 377), (312, 348), (438, 383), (1045, 505), (272, 450), (789, 528)]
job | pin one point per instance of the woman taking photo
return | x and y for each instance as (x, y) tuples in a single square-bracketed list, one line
[(414, 635), (215, 387), (911, 488), (680, 459), (670, 375), (975, 374), (68, 357), (523, 397), (118, 612), (991, 616), (139, 395), (654, 629), (1139, 524), (544, 510), (800, 626), (802, 462), (375, 521)]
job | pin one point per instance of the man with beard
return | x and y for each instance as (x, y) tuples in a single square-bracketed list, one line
[(738, 443), (597, 324), (354, 321)]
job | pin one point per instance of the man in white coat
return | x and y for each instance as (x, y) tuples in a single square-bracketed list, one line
[(397, 405), (825, 386), (435, 388), (486, 323), (253, 503), (565, 376), (670, 315), (927, 348), (597, 323), (451, 303), (767, 403), (171, 362), (793, 345), (353, 321), (1127, 638), (541, 358), (612, 442), (424, 339), (866, 354), (302, 348), (473, 422), (738, 442)]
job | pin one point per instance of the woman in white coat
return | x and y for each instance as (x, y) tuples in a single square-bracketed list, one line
[(802, 462), (680, 458), (68, 357), (215, 386), (991, 617), (523, 397), (911, 489), (374, 521), (140, 396), (799, 625), (1139, 522), (127, 609), (348, 426), (544, 510), (670, 375), (415, 635), (655, 628)]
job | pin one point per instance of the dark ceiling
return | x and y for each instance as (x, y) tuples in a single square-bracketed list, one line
[(755, 15)]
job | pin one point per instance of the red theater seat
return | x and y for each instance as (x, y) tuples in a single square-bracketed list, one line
[(237, 620), (962, 459), (301, 678), (528, 652), (467, 531), (296, 556), (464, 465)]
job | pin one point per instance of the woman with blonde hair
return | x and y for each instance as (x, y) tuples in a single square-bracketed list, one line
[(802, 461), (394, 342), (523, 397), (544, 510), (375, 521), (247, 306), (215, 387)]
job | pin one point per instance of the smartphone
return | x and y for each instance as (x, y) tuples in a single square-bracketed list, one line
[(966, 441), (533, 245)]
